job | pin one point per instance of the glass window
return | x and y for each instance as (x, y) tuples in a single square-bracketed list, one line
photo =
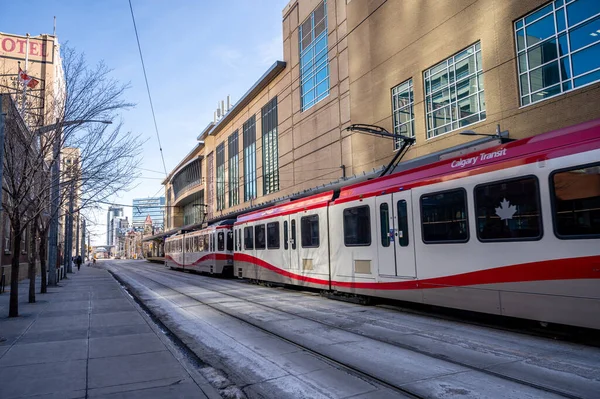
[(508, 210), (249, 133), (357, 226), (273, 235), (285, 235), (293, 233), (230, 240), (259, 234), (576, 202), (248, 238), (454, 95), (403, 101), (314, 62), (221, 176), (270, 147), (444, 217), (384, 221), (544, 35), (309, 231), (402, 223), (234, 169), (221, 241)]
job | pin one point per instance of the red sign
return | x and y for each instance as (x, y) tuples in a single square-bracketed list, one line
[(15, 47)]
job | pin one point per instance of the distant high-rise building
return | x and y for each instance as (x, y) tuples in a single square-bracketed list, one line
[(144, 207), (113, 213)]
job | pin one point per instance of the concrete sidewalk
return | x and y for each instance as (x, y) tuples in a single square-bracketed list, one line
[(88, 338)]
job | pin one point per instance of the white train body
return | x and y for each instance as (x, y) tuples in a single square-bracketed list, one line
[(513, 230)]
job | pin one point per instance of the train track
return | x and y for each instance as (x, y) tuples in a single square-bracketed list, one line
[(220, 283)]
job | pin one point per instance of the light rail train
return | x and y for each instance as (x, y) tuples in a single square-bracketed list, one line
[(512, 230)]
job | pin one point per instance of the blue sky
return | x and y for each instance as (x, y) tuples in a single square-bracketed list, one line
[(196, 53)]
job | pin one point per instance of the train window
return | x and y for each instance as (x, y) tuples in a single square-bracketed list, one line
[(239, 240), (248, 238), (384, 217), (221, 241), (402, 223), (444, 217), (293, 233), (285, 235), (273, 235), (508, 210), (212, 242), (357, 226), (230, 240), (576, 202), (259, 234), (309, 231)]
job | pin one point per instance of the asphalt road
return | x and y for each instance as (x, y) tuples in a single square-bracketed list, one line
[(278, 343)]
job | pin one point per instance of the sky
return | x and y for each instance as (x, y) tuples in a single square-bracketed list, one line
[(196, 53)]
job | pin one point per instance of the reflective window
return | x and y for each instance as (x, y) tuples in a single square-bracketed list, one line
[(402, 223), (444, 217), (508, 210), (221, 176), (309, 231), (270, 147), (454, 95), (234, 169), (576, 202), (384, 221), (221, 241), (248, 238), (249, 133), (558, 48), (314, 62), (357, 226), (285, 235), (403, 101), (273, 235), (230, 240), (259, 234)]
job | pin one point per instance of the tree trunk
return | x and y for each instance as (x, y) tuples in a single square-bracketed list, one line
[(32, 258), (13, 310), (43, 253)]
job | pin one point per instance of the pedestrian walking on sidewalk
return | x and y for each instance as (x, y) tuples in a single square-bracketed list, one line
[(78, 260)]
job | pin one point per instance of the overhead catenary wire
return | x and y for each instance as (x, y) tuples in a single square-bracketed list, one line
[(137, 37)]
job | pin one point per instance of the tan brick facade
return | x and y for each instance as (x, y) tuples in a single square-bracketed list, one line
[(372, 47)]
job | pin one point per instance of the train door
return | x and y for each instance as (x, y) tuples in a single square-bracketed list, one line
[(395, 246), (294, 242)]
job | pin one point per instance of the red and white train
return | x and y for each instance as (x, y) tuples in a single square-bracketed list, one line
[(209, 250), (512, 230)]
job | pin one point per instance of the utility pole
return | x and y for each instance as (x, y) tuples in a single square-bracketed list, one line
[(77, 237), (83, 252), (53, 236), (69, 238)]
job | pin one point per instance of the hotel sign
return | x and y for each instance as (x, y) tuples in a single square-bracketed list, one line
[(15, 47)]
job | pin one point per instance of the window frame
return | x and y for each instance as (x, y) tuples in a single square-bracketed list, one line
[(264, 244), (245, 239), (551, 191), (344, 226), (315, 215), (410, 106), (538, 202), (467, 221), (276, 223)]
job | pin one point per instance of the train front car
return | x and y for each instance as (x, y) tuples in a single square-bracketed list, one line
[(285, 243), (174, 252), (512, 230)]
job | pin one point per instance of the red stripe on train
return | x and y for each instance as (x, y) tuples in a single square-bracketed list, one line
[(213, 256), (558, 269)]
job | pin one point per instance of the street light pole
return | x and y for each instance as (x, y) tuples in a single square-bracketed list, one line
[(69, 232)]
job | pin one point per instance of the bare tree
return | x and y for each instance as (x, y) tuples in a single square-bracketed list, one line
[(105, 163)]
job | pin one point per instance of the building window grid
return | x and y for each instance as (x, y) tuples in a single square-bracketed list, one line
[(220, 176), (249, 133), (452, 86), (270, 147), (559, 10), (234, 169), (316, 62), (403, 101)]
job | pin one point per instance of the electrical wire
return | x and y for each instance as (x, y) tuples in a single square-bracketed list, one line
[(137, 37)]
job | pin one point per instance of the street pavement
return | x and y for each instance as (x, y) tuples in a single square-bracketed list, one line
[(87, 338)]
